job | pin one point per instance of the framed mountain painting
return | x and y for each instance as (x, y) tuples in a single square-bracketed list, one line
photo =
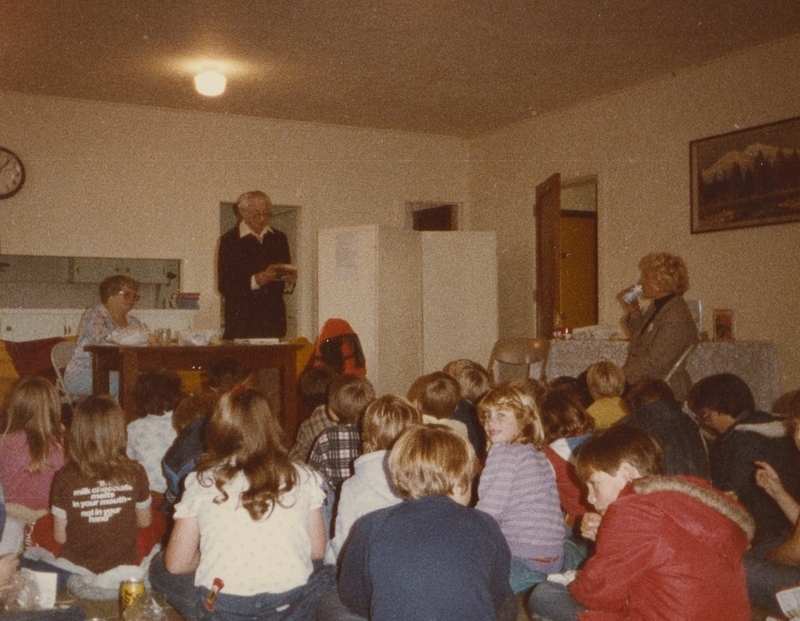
[(749, 177)]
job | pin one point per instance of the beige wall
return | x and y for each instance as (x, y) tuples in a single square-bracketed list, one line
[(117, 180), (637, 143)]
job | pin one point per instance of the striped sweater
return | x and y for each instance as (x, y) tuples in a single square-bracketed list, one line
[(518, 488)]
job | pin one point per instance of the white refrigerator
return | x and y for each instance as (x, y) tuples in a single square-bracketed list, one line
[(416, 299)]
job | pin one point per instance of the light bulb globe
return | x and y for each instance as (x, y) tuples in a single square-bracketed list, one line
[(210, 83)]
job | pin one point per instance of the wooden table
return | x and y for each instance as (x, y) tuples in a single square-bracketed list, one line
[(129, 361)]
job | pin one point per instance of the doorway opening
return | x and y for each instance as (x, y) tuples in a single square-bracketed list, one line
[(433, 216), (284, 218)]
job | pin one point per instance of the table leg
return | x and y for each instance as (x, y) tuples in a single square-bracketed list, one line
[(288, 373), (101, 370), (127, 383)]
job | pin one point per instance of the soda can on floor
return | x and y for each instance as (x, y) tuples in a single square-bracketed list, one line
[(130, 591)]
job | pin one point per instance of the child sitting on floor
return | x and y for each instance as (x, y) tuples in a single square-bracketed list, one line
[(31, 452), (313, 388), (249, 523), (474, 382), (368, 489), (566, 427), (101, 497), (774, 564), (606, 383), (11, 588), (157, 393), (436, 396), (337, 447), (518, 486), (181, 458), (667, 547), (429, 557)]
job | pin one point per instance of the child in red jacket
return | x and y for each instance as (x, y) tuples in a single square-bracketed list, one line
[(667, 547)]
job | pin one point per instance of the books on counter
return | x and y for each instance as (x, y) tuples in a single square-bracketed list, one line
[(186, 300)]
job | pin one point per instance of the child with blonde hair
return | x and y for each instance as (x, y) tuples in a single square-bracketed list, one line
[(368, 489), (31, 448), (606, 383), (472, 378), (518, 485), (429, 557)]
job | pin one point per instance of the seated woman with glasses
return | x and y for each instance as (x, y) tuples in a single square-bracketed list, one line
[(118, 294)]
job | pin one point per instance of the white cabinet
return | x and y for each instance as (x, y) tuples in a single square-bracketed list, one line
[(31, 324), (90, 270), (94, 270)]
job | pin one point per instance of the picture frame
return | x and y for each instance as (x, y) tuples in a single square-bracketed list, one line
[(723, 324), (746, 178)]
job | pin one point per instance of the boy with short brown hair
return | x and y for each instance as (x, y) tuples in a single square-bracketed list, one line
[(474, 382), (313, 391), (436, 396), (667, 547), (337, 447)]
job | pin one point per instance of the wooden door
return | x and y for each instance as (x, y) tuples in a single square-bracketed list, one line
[(548, 295), (578, 270)]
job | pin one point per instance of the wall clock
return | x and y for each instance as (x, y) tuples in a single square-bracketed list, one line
[(12, 173)]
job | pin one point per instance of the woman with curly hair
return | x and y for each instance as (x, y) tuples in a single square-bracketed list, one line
[(249, 525), (663, 331)]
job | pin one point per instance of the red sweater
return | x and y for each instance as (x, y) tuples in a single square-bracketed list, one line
[(668, 548), (571, 492)]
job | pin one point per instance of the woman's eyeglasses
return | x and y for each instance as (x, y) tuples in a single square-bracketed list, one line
[(129, 295)]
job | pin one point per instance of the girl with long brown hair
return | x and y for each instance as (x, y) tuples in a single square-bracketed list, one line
[(31, 443), (101, 497), (249, 525)]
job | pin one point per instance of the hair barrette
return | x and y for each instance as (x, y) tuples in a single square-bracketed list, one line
[(238, 390)]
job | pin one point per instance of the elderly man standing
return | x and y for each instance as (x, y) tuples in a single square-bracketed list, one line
[(251, 272)]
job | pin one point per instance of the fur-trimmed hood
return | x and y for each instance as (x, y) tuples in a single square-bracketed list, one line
[(762, 423), (700, 492)]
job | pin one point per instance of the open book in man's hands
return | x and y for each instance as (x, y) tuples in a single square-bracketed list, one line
[(284, 269), (789, 600)]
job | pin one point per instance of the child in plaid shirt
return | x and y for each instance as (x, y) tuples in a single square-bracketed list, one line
[(314, 385), (338, 447)]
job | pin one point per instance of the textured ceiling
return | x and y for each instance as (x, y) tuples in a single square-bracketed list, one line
[(455, 67)]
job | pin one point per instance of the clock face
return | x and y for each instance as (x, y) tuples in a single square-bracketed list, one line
[(12, 173)]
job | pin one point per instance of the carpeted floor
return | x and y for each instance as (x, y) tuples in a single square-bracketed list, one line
[(109, 610)]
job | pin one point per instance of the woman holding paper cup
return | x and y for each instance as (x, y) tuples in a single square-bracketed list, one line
[(661, 332), (118, 295)]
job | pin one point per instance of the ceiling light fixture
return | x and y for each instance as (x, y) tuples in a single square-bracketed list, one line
[(210, 83)]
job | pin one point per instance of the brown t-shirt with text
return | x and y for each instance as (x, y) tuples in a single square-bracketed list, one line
[(101, 517)]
